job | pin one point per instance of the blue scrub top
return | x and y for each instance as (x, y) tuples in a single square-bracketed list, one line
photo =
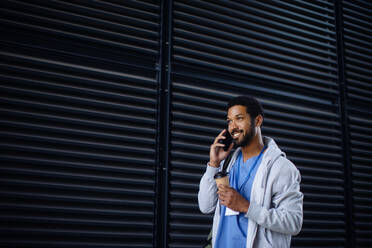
[(232, 230)]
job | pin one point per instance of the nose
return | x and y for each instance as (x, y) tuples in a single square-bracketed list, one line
[(232, 125)]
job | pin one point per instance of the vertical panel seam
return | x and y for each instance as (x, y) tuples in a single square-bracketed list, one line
[(163, 126), (350, 237)]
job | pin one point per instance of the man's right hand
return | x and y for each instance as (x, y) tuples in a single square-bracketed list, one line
[(216, 153)]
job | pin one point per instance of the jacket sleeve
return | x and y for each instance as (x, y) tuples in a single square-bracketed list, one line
[(285, 215), (207, 196)]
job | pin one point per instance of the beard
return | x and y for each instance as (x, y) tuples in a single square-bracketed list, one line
[(247, 139)]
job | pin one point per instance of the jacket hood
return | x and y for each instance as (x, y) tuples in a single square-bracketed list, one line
[(272, 148)]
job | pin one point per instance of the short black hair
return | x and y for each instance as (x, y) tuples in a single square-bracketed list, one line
[(253, 107)]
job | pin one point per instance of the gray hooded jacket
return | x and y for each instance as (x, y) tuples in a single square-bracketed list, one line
[(275, 211)]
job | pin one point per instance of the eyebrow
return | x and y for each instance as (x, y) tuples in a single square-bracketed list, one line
[(227, 118)]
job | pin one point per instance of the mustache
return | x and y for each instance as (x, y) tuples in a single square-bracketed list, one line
[(236, 131)]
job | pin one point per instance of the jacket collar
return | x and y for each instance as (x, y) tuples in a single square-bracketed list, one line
[(270, 155)]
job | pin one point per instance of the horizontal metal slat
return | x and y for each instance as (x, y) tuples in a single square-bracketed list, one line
[(57, 210), (51, 208), (240, 18), (334, 217), (363, 208), (362, 183), (184, 90), (34, 128), (239, 37), (76, 187), (57, 64), (358, 38), (258, 85), (75, 221), (325, 207), (358, 135), (305, 83), (79, 244), (359, 29), (359, 95), (140, 9), (71, 199), (80, 100), (355, 8), (17, 116), (360, 120), (322, 180), (50, 10), (301, 7), (70, 8), (37, 87), (356, 50), (74, 110), (285, 16), (357, 72), (200, 23), (66, 76), (354, 59), (322, 164), (142, 15), (190, 227), (81, 233), (47, 150), (265, 48), (34, 173), (74, 32), (238, 58), (58, 175), (198, 57)]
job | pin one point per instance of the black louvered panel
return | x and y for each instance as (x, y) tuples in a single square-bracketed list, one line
[(360, 119), (286, 42), (358, 49), (78, 96), (358, 69), (104, 30), (307, 129), (284, 53)]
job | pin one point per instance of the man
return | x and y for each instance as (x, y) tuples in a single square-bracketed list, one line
[(262, 207)]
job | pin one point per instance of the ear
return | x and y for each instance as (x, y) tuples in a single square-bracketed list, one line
[(258, 120)]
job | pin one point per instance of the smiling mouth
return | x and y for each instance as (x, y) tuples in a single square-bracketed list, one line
[(236, 134)]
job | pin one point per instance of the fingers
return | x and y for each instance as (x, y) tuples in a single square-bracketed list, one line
[(216, 154), (224, 192), (230, 147), (220, 136), (215, 146), (224, 197), (223, 187), (218, 145)]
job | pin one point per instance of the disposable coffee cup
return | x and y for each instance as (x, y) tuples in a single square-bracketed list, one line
[(222, 178)]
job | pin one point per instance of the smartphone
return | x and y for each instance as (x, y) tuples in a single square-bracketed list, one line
[(226, 141)]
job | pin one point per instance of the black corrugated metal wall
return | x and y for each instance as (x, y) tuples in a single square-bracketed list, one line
[(79, 122), (108, 109), (357, 16)]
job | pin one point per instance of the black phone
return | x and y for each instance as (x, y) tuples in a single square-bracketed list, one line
[(227, 141)]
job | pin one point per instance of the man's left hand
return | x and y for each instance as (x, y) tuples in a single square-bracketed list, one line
[(230, 198)]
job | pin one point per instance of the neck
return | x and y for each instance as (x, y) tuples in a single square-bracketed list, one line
[(253, 149)]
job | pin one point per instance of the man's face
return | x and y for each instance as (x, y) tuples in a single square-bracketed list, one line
[(240, 125)]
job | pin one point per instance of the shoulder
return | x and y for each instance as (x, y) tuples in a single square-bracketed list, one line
[(283, 164), (285, 171)]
